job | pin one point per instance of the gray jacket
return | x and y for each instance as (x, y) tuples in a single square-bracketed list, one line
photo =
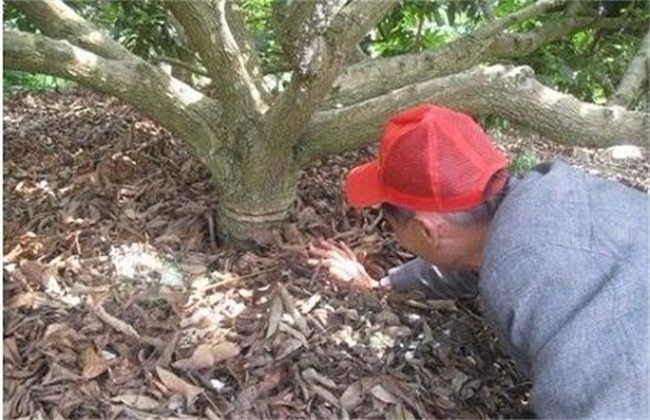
[(564, 280)]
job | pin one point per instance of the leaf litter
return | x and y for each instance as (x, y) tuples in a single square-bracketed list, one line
[(121, 304)]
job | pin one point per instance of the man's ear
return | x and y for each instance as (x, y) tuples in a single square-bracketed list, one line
[(429, 227)]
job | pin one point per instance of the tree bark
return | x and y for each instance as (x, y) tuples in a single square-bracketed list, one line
[(371, 78), (635, 77), (511, 92), (238, 81)]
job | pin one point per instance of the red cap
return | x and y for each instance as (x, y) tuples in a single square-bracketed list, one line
[(430, 159)]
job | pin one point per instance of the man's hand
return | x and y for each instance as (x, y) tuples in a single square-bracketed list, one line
[(341, 263)]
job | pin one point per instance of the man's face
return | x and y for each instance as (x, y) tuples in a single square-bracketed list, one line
[(411, 237), (434, 240)]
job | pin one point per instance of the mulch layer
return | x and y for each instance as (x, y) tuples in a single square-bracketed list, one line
[(120, 303)]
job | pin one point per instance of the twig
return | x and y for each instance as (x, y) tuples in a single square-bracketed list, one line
[(114, 322), (287, 300), (180, 63)]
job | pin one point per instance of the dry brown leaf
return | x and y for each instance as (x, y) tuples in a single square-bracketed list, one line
[(194, 269), (224, 351), (399, 412), (202, 357), (290, 307), (274, 316), (295, 334), (10, 350), (381, 394), (22, 299), (92, 363), (271, 380), (140, 402), (116, 323), (58, 373), (311, 375), (174, 383), (325, 394), (310, 304), (352, 397), (288, 347), (33, 271)]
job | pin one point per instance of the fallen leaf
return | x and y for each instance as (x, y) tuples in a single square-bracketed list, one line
[(325, 394), (116, 323), (174, 383), (352, 397), (311, 375), (92, 363), (381, 394), (274, 316), (224, 351), (23, 299), (288, 347), (310, 304), (33, 271), (140, 402), (202, 357)]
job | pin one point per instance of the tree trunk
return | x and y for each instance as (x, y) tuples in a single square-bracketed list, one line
[(256, 185)]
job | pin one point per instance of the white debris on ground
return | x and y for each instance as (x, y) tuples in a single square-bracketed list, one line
[(142, 263)]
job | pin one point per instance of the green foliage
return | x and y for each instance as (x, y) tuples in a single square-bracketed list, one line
[(524, 161), (588, 65), (591, 63), (13, 80), (258, 17), (416, 25)]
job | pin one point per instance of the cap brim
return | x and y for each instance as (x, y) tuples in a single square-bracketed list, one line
[(363, 187)]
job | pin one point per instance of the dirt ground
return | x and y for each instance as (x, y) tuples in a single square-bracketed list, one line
[(119, 302)]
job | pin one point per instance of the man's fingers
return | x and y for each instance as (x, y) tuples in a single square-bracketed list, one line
[(340, 274), (346, 249)]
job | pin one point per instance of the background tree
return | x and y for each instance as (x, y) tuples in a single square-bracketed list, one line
[(293, 81)]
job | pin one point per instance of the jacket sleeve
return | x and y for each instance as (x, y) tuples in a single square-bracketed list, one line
[(421, 275)]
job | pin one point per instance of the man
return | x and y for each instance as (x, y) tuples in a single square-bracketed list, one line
[(561, 256)]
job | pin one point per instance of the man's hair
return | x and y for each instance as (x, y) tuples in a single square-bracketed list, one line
[(474, 216)]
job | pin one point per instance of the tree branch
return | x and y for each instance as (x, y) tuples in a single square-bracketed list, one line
[(497, 26), (367, 79), (183, 64), (300, 26), (511, 92), (56, 20), (486, 10), (210, 33), (186, 112), (515, 45), (635, 76), (327, 56)]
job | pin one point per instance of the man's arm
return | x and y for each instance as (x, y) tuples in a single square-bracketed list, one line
[(419, 274)]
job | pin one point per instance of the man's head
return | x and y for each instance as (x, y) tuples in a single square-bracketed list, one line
[(436, 177)]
